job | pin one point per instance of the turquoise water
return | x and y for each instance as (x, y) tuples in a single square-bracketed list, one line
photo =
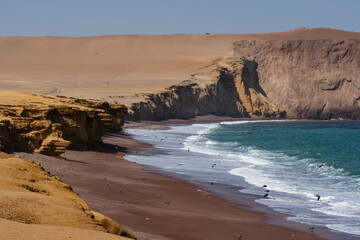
[(296, 160), (333, 143)]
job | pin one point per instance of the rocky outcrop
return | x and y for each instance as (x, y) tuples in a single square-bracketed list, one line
[(51, 129), (231, 88), (304, 78), (309, 78)]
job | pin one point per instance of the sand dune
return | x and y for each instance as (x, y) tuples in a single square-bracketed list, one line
[(124, 65)]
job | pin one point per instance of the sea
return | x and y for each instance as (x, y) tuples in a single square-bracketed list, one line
[(307, 170)]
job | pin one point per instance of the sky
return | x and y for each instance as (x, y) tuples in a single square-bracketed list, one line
[(80, 18)]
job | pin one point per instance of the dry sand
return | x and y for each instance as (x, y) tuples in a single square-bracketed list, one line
[(156, 206), (121, 68), (36, 205)]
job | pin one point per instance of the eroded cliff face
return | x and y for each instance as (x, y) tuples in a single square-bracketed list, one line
[(308, 78), (227, 87), (49, 125)]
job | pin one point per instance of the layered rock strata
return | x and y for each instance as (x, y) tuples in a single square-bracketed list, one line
[(49, 125), (228, 87), (317, 78)]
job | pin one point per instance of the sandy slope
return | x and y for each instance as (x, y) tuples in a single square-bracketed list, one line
[(36, 205), (120, 66)]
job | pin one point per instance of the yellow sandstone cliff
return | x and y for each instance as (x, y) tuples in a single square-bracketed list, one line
[(50, 124)]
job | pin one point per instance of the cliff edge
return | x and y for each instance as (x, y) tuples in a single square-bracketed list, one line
[(50, 124), (309, 78), (307, 73)]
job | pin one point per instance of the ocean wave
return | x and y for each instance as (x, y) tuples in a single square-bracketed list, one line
[(254, 121)]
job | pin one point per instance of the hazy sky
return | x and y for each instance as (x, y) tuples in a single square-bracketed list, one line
[(99, 17)]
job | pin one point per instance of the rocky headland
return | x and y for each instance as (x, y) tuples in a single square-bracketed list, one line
[(302, 73), (49, 124), (317, 78)]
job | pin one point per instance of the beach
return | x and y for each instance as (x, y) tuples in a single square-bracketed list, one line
[(153, 204)]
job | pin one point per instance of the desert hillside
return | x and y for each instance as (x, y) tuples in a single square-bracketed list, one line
[(127, 68), (36, 205)]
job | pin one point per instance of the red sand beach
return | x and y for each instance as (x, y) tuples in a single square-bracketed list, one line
[(155, 206)]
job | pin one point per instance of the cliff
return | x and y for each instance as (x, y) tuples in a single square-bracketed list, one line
[(35, 204), (49, 124), (309, 73), (305, 78), (231, 88), (309, 78)]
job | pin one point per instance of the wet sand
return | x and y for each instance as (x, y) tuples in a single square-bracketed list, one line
[(155, 206)]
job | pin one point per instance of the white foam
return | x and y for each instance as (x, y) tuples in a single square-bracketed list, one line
[(253, 121), (347, 228), (293, 181)]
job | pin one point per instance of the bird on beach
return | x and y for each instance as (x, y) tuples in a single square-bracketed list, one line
[(311, 228), (318, 196), (238, 236), (158, 196)]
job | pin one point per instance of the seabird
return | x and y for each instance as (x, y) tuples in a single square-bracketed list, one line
[(121, 202), (266, 195), (321, 165), (267, 190), (158, 196), (264, 186), (318, 196), (212, 166), (161, 140), (167, 202), (311, 228), (238, 236), (120, 190), (212, 183)]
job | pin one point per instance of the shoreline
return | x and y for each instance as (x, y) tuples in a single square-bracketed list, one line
[(97, 177), (230, 193)]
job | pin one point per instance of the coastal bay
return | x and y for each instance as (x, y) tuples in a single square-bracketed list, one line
[(154, 204)]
